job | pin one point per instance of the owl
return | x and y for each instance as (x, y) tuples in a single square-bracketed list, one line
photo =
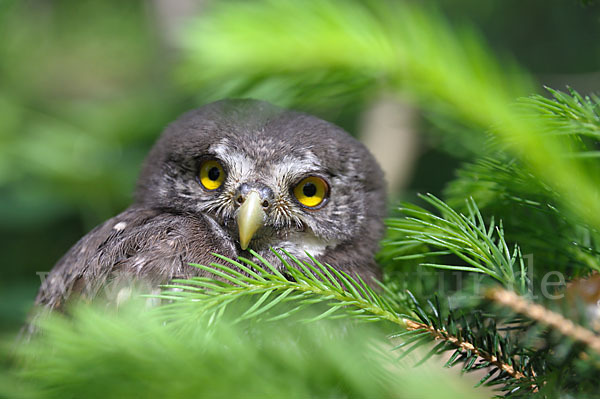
[(231, 176)]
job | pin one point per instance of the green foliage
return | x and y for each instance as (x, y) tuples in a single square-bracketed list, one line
[(404, 47), (390, 45), (301, 283), (215, 331), (133, 354), (525, 203), (568, 114), (503, 186), (75, 115), (84, 91), (537, 167), (482, 248)]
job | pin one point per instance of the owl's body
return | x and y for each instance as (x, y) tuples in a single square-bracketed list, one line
[(228, 177)]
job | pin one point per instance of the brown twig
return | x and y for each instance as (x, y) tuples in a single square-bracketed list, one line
[(466, 346), (548, 317)]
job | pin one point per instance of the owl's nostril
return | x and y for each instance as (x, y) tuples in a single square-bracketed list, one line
[(265, 193)]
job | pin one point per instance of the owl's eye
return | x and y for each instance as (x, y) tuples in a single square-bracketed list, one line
[(312, 191), (212, 174)]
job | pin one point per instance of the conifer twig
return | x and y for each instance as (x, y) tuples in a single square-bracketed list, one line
[(313, 282), (465, 346), (545, 316)]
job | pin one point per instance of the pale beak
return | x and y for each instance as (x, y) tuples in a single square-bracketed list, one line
[(250, 218)]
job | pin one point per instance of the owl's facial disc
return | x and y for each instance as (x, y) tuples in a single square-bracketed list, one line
[(265, 199)]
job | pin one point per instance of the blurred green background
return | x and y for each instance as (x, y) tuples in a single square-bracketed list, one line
[(87, 86)]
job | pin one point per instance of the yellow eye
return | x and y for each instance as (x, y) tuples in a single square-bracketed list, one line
[(212, 174), (312, 191)]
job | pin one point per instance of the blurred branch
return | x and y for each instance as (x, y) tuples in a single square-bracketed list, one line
[(545, 316), (399, 45)]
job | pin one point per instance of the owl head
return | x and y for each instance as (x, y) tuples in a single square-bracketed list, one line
[(268, 177)]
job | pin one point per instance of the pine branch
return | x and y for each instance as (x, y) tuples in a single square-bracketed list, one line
[(308, 283), (502, 186), (481, 247), (312, 283), (569, 114), (477, 342), (465, 346), (166, 348), (574, 120), (540, 314), (493, 181)]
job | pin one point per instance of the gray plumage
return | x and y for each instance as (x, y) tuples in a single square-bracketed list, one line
[(175, 220)]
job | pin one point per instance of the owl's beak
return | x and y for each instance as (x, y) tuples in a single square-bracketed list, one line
[(250, 218)]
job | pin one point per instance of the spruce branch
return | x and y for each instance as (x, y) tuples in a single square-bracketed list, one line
[(308, 283), (482, 247), (476, 341), (568, 114), (494, 181), (312, 283), (505, 185), (498, 176), (465, 347), (543, 315)]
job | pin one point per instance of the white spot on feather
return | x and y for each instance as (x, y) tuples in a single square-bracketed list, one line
[(120, 226)]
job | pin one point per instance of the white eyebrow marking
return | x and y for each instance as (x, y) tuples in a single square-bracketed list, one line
[(240, 166), (291, 165), (243, 167)]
